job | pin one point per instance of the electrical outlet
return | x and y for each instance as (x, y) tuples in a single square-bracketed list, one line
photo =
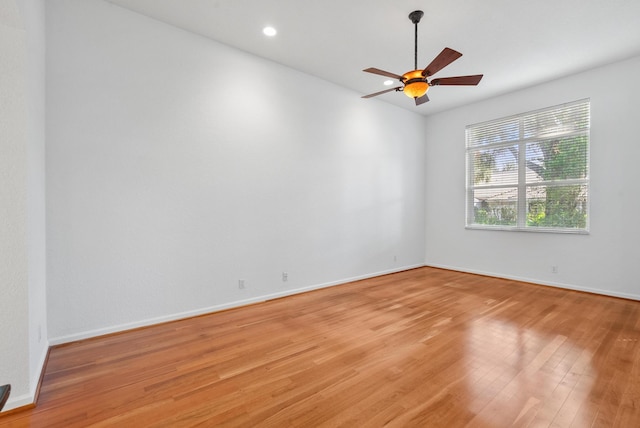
[(285, 276), (554, 269), (241, 284)]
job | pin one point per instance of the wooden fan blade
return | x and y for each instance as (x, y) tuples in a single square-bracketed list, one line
[(444, 58), (382, 73), (423, 99), (459, 80), (381, 92)]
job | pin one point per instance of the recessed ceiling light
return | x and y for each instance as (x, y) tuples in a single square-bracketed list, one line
[(269, 31), (388, 82)]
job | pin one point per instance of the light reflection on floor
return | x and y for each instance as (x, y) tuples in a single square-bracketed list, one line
[(547, 375)]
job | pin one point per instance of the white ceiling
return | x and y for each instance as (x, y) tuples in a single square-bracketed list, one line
[(514, 43)]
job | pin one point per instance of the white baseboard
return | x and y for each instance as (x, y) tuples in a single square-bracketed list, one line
[(26, 399), (537, 281), (19, 401), (150, 321), (216, 308)]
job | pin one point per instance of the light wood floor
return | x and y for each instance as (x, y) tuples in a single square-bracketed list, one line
[(423, 348)]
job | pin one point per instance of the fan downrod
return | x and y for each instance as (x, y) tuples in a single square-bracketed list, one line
[(416, 16)]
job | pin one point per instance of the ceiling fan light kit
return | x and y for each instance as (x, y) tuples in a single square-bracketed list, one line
[(415, 83)]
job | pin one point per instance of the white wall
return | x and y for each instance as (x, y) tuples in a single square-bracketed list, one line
[(22, 245), (14, 309), (177, 166), (33, 12), (604, 261)]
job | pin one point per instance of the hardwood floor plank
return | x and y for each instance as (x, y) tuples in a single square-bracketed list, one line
[(425, 347)]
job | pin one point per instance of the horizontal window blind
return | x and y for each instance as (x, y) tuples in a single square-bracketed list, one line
[(530, 171)]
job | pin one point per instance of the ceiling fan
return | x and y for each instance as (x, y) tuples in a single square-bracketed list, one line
[(415, 83)]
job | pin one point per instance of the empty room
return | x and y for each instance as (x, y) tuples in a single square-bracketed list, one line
[(319, 213)]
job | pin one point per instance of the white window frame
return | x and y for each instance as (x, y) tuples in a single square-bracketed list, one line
[(521, 142)]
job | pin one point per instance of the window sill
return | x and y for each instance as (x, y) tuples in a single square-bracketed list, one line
[(529, 229)]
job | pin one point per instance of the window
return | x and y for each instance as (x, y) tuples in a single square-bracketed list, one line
[(530, 171)]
